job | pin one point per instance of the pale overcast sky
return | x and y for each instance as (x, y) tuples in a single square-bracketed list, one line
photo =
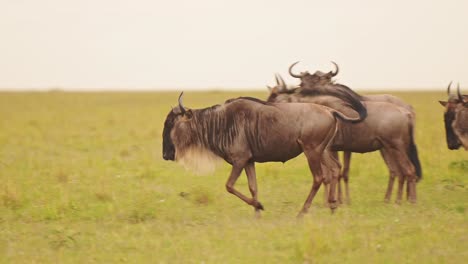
[(209, 44)]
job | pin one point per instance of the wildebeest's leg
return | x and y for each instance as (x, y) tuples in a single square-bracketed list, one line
[(340, 192), (314, 161), (401, 184), (402, 166), (392, 168), (314, 164), (235, 173), (252, 180), (332, 168), (345, 174), (328, 176), (408, 173), (326, 190), (408, 190)]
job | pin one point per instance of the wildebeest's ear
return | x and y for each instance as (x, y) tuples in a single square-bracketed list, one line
[(176, 110), (443, 103)]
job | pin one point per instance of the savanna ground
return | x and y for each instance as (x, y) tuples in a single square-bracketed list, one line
[(82, 180)]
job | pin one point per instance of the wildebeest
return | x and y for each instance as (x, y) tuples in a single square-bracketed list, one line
[(319, 82), (388, 128), (318, 79), (456, 119), (246, 130)]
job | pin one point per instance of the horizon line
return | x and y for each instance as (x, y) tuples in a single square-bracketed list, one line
[(195, 89)]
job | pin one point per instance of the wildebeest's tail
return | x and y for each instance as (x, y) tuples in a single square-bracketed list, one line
[(413, 154), (351, 98), (356, 104), (342, 117)]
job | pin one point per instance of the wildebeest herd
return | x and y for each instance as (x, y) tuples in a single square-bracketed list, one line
[(318, 117)]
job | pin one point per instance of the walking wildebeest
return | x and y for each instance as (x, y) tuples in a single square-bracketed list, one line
[(456, 119), (388, 128), (246, 130)]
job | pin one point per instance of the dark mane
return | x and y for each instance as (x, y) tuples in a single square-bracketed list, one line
[(208, 109), (217, 128), (206, 125)]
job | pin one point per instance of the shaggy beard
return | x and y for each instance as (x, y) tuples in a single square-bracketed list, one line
[(198, 160)]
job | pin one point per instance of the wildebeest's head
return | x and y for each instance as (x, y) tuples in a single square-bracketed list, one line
[(455, 118), (176, 120), (318, 78)]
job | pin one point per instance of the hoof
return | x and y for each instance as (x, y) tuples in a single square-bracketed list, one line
[(301, 214), (333, 205), (398, 202), (259, 206)]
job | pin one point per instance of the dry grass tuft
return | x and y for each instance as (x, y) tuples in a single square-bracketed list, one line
[(203, 199), (11, 198), (103, 196)]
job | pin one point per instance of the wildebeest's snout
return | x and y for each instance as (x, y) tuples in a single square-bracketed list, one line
[(454, 144), (168, 156)]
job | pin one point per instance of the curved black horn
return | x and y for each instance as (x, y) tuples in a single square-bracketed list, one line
[(181, 106), (458, 93), (337, 69), (448, 88), (277, 80), (292, 74), (282, 84)]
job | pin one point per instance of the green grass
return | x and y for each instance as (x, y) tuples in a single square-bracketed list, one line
[(82, 180)]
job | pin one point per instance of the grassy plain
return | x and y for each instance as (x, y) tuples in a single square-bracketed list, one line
[(82, 180)]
